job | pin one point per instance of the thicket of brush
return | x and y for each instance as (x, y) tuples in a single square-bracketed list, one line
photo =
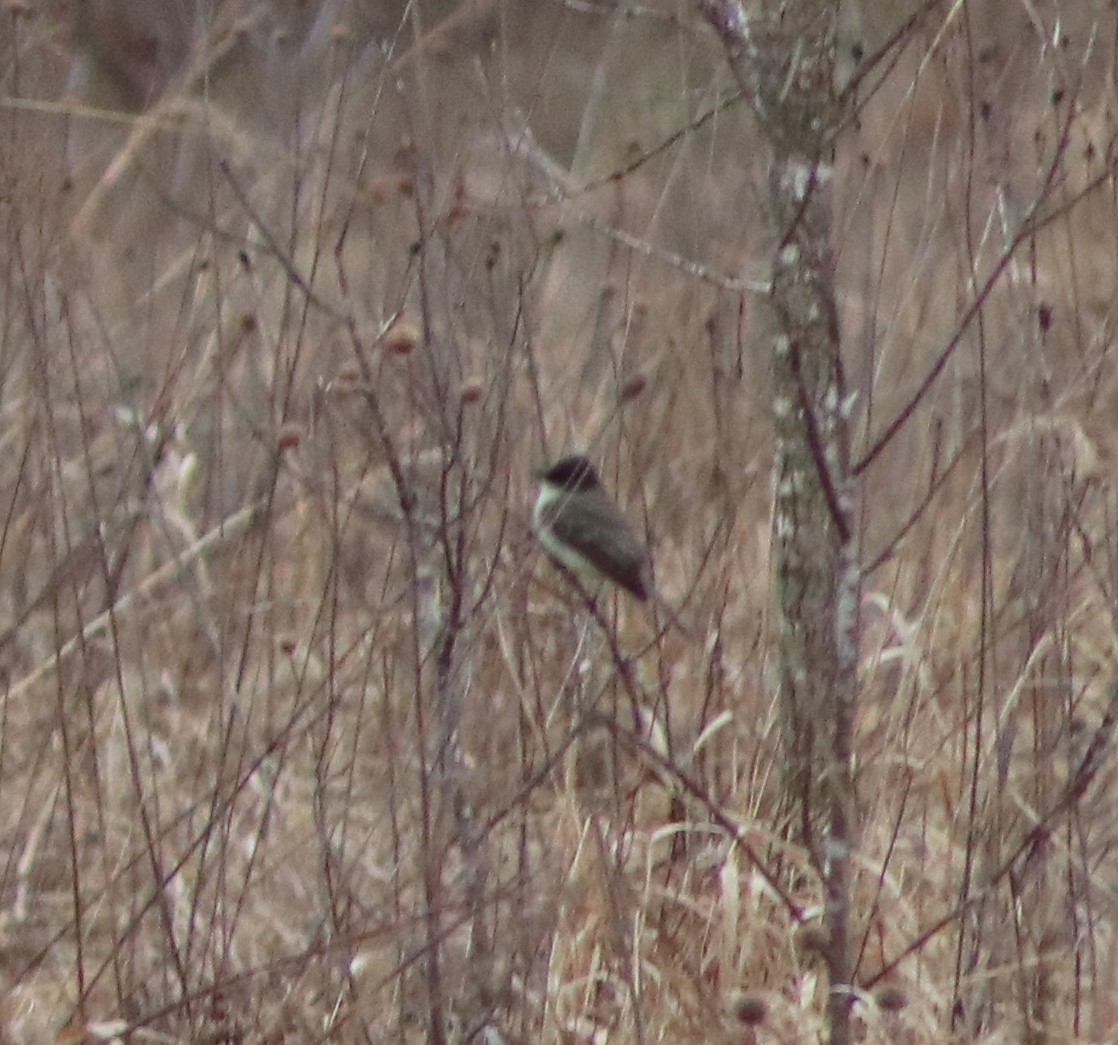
[(301, 738)]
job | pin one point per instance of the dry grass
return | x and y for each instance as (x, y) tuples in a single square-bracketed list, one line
[(230, 662)]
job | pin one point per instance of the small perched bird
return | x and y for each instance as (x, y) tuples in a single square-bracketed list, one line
[(583, 530)]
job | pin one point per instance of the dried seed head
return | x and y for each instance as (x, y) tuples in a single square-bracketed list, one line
[(890, 998), (633, 387), (290, 435), (749, 1008), (401, 338)]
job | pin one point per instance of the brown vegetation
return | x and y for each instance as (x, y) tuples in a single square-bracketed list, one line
[(300, 739)]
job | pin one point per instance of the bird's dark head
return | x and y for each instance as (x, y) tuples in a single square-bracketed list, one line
[(573, 473)]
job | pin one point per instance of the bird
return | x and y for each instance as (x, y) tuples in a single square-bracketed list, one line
[(582, 530)]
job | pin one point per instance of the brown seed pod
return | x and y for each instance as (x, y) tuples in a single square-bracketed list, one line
[(471, 392), (401, 338), (633, 387), (749, 1008), (890, 998), (290, 435)]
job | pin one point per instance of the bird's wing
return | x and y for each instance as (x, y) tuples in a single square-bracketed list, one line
[(602, 535)]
